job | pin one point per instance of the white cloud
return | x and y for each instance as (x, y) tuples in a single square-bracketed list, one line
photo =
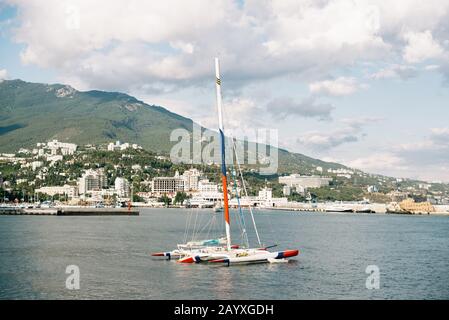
[(424, 159), (438, 140), (330, 26), (395, 71), (240, 113), (421, 46), (341, 86), (281, 108), (3, 74), (391, 163), (323, 141), (352, 131), (111, 45), (432, 67), (378, 162)]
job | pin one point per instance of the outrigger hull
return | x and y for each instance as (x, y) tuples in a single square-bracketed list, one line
[(175, 254), (239, 257), (266, 257)]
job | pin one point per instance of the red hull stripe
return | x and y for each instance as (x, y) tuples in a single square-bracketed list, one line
[(290, 253), (187, 260), (219, 261), (158, 254)]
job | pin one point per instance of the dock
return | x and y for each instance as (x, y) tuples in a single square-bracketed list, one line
[(69, 211)]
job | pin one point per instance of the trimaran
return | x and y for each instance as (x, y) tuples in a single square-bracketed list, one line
[(221, 250)]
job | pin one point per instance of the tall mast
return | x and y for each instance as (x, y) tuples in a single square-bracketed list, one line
[(223, 156)]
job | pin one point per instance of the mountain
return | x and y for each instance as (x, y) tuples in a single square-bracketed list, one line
[(35, 112)]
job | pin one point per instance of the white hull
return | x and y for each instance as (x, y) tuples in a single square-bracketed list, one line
[(236, 256)]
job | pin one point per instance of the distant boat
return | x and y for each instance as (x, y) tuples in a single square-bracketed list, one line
[(364, 210), (339, 208)]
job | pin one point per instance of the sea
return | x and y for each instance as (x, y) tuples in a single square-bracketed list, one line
[(342, 256)]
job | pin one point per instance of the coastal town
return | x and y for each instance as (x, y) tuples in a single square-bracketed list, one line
[(119, 174)]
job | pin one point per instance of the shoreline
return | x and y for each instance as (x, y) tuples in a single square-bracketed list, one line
[(134, 210)]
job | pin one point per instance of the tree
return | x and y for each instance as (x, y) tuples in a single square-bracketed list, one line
[(180, 197), (137, 198), (296, 197), (165, 199)]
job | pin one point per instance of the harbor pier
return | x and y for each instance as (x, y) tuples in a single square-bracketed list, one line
[(69, 211)]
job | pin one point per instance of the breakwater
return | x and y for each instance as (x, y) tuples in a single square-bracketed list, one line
[(69, 211)]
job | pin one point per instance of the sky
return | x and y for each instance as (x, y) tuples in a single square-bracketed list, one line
[(363, 83)]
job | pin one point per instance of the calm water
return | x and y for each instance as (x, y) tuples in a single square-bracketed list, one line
[(112, 253)]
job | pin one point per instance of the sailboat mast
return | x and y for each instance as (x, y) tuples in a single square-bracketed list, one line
[(223, 156)]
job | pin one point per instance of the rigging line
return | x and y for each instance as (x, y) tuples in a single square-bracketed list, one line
[(246, 192), (205, 226), (190, 223), (244, 234), (187, 227), (215, 227), (238, 214), (211, 224), (273, 233), (198, 227), (237, 218), (194, 226)]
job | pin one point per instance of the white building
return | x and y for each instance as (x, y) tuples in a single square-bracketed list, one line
[(122, 146), (205, 186), (24, 151), (286, 190), (264, 199), (111, 146), (36, 164), (208, 192), (191, 178), (425, 186), (266, 193), (54, 158), (70, 191), (92, 180), (65, 148), (168, 185), (122, 187), (136, 167), (341, 171)]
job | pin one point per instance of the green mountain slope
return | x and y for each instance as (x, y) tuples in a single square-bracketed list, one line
[(33, 112)]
